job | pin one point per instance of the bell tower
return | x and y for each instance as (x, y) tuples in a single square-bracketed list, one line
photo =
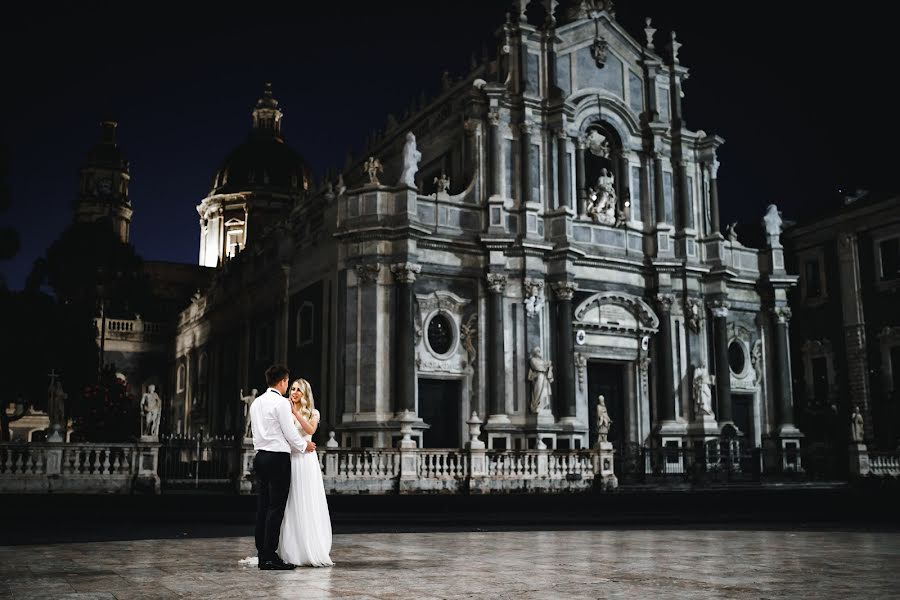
[(103, 186)]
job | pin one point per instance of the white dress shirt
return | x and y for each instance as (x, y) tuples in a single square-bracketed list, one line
[(273, 424)]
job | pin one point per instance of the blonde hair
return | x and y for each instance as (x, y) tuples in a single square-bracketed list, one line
[(307, 402)]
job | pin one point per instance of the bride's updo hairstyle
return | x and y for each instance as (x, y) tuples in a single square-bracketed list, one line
[(307, 403)]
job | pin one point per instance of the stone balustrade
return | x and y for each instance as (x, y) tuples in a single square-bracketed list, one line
[(884, 464)]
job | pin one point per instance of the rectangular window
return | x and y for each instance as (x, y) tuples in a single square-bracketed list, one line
[(667, 198), (812, 279), (635, 92), (636, 193), (890, 258)]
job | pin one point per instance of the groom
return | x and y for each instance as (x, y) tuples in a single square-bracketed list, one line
[(274, 435)]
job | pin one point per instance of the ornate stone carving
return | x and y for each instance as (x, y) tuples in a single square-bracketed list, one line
[(494, 118), (151, 409), (782, 314), (373, 167), (634, 309), (534, 296), (468, 334), (731, 232), (411, 158), (596, 143), (405, 272), (719, 308), (526, 128), (693, 312), (368, 273), (665, 302), (496, 282), (565, 290), (675, 46), (441, 300), (599, 51), (580, 366), (756, 360), (601, 206)]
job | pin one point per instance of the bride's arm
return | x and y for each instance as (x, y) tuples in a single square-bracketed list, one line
[(308, 427)]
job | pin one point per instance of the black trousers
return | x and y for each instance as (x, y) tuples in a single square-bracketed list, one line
[(273, 479)]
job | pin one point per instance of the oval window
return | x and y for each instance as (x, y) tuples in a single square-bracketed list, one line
[(736, 359), (440, 334)]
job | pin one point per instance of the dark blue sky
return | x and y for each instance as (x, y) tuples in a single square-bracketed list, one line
[(799, 93)]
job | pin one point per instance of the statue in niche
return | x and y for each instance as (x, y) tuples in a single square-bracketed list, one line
[(772, 222), (603, 420), (540, 374), (411, 158), (702, 391), (373, 168), (151, 409), (602, 199), (247, 400), (597, 143), (857, 429)]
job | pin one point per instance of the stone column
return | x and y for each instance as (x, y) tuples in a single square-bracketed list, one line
[(496, 367), (854, 322), (562, 159), (713, 169), (723, 370), (782, 373), (665, 362), (496, 151), (565, 350), (658, 188), (404, 359), (525, 130), (580, 189)]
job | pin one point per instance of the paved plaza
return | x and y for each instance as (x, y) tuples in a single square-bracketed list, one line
[(690, 564)]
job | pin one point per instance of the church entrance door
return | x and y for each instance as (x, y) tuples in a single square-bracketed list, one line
[(439, 407), (607, 378)]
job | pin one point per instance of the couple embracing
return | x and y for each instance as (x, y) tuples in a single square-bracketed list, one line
[(292, 522)]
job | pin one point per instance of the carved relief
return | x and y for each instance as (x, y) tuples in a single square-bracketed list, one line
[(368, 273), (534, 296)]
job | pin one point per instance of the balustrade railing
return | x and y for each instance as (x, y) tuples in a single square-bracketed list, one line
[(884, 464)]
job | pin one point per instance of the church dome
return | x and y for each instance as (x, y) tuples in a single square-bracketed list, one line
[(264, 162)]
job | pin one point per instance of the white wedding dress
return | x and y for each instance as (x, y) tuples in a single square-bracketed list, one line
[(306, 528)]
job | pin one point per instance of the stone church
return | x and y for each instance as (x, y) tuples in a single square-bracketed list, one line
[(542, 233)]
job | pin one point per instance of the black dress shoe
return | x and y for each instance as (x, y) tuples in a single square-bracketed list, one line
[(271, 565)]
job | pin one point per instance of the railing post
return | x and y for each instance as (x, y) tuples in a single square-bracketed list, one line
[(543, 463), (602, 458), (146, 467), (245, 485), (54, 461), (409, 468), (331, 457), (477, 477)]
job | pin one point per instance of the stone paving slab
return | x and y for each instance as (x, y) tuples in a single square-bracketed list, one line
[(673, 564)]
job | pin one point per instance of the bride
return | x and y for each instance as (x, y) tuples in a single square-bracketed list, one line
[(306, 529)]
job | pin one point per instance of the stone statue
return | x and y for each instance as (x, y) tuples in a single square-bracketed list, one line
[(731, 232), (603, 420), (151, 409), (857, 430), (597, 143), (248, 400), (702, 391), (56, 402), (540, 374), (602, 199), (341, 187), (442, 183), (373, 168), (772, 222), (411, 158)]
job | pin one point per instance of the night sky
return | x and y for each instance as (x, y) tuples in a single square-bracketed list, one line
[(799, 93)]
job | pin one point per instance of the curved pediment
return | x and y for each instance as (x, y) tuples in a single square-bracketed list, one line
[(616, 310)]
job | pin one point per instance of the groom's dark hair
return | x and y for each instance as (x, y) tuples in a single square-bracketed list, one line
[(276, 373)]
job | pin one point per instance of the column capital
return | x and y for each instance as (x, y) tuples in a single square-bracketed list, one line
[(714, 168), (665, 302), (561, 134), (719, 308), (368, 273), (565, 290), (494, 118), (782, 314), (581, 143), (496, 282), (527, 127), (405, 272)]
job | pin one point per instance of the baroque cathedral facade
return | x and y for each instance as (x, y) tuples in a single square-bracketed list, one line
[(543, 233)]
